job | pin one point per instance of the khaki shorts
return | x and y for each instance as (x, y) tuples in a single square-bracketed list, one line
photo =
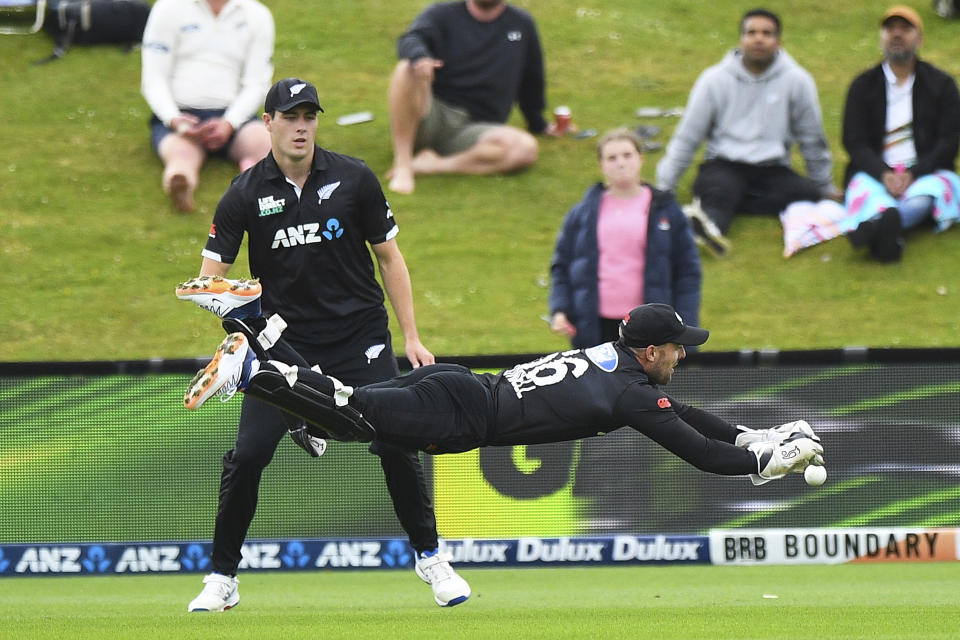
[(447, 129)]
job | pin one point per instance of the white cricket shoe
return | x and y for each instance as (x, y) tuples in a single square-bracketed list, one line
[(219, 593), (222, 296), (228, 372), (449, 589)]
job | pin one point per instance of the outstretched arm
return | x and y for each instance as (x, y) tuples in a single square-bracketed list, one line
[(706, 423), (706, 441), (710, 443), (706, 454)]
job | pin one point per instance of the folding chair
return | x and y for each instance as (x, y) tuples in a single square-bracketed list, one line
[(21, 16)]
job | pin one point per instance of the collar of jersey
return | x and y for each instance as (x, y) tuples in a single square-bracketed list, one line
[(627, 359), (272, 170)]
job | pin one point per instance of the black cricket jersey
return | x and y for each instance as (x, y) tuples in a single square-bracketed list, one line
[(589, 392), (486, 65), (310, 252), (446, 408)]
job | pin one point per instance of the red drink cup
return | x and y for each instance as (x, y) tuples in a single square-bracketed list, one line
[(562, 119)]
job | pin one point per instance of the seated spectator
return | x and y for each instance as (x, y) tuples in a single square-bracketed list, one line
[(751, 108), (623, 245), (206, 66), (462, 66), (901, 128)]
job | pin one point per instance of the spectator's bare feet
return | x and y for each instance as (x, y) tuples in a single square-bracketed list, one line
[(426, 161), (181, 192), (401, 179)]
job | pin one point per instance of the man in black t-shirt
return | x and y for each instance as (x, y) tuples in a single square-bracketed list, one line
[(309, 215), (562, 396), (462, 66)]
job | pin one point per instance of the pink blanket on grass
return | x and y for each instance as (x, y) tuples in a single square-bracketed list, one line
[(808, 223)]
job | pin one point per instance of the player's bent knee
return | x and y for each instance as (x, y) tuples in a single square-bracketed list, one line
[(249, 460)]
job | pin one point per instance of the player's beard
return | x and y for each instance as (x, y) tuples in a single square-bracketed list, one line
[(661, 374)]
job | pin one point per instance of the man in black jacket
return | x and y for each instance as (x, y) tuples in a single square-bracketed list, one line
[(901, 123), (462, 66)]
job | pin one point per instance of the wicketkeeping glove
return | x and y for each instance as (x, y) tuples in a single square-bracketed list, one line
[(748, 436), (777, 459), (307, 441)]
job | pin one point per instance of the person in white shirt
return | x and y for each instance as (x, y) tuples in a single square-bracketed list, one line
[(206, 65)]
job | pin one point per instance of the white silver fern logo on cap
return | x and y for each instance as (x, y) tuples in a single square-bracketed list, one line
[(297, 88)]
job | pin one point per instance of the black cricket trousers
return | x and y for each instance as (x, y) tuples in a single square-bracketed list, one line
[(262, 426)]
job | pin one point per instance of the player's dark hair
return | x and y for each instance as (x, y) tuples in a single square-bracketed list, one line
[(762, 13)]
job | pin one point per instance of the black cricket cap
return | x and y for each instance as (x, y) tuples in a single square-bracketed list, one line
[(658, 324), (285, 94)]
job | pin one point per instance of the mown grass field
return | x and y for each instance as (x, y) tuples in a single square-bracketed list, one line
[(879, 602), (91, 249)]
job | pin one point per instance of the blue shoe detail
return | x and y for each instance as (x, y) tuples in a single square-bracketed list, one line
[(246, 370), (249, 311)]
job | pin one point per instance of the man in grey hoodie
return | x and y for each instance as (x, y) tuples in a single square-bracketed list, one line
[(750, 108)]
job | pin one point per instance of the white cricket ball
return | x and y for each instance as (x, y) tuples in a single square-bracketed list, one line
[(815, 475)]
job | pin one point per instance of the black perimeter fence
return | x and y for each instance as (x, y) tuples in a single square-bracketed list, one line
[(104, 451)]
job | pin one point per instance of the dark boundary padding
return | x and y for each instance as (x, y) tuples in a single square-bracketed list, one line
[(746, 358)]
